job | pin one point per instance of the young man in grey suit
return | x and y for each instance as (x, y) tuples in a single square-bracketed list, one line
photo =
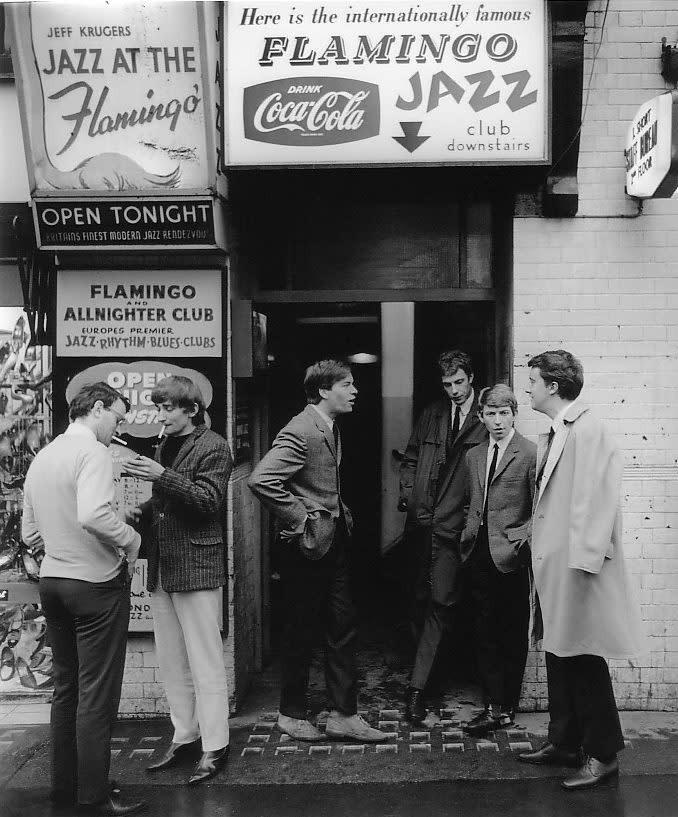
[(495, 543), (298, 481), (186, 573)]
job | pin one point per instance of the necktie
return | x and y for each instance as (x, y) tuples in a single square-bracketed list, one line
[(542, 464), (490, 477), (453, 430), (335, 431)]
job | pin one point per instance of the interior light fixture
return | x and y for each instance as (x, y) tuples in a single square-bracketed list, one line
[(363, 357)]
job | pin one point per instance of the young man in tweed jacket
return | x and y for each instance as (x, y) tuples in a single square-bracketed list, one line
[(186, 572)]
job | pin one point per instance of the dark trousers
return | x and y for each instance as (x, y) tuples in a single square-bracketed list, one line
[(87, 628), (437, 617), (502, 620), (582, 706), (316, 594)]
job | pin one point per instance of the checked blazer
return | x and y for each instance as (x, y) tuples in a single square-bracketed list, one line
[(186, 512)]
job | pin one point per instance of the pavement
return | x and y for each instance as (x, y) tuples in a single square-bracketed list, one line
[(433, 769)]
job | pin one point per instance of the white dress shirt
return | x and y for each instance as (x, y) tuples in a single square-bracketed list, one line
[(559, 433), (502, 445), (464, 409)]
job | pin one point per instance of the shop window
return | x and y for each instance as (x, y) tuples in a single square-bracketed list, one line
[(6, 70), (25, 427)]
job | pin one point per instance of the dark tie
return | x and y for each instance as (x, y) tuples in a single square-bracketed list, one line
[(335, 431), (542, 464), (453, 430), (490, 477)]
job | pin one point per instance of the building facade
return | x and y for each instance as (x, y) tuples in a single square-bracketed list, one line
[(394, 263)]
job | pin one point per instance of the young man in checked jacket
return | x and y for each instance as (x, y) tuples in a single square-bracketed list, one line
[(186, 572)]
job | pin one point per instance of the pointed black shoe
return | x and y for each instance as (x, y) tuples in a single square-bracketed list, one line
[(415, 711), (211, 763), (482, 724), (112, 806), (174, 753)]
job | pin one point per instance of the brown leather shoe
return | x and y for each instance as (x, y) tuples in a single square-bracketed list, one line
[(592, 773), (210, 764), (551, 755), (175, 751)]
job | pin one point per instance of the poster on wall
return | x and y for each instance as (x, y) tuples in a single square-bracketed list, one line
[(25, 428), (130, 493), (387, 83), (114, 97), (172, 313), (136, 382)]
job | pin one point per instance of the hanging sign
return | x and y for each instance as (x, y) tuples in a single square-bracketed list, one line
[(173, 313), (652, 149), (115, 97), (387, 83), (64, 224)]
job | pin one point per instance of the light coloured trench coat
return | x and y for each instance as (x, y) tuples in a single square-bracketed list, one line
[(587, 602)]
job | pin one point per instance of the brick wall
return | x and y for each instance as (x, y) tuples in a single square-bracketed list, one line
[(605, 286)]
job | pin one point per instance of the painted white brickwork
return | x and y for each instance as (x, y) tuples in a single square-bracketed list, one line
[(604, 285)]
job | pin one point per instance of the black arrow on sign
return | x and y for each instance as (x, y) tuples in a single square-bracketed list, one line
[(411, 140)]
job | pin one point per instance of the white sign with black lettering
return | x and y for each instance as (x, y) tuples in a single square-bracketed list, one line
[(142, 313)]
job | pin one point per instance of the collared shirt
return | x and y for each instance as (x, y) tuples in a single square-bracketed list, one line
[(326, 417), (69, 506), (502, 445), (559, 433), (464, 409)]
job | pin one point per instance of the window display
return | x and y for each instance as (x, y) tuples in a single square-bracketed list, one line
[(25, 427)]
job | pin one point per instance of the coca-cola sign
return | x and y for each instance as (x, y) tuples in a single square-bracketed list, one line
[(311, 110)]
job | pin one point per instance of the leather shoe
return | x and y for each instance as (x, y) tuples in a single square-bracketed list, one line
[(112, 806), (592, 773), (482, 724), (415, 710), (172, 756), (209, 765), (551, 755), (299, 728)]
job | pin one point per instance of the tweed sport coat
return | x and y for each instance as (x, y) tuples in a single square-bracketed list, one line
[(298, 482), (186, 512), (509, 503)]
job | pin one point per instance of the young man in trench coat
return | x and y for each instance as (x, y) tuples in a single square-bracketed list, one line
[(589, 613)]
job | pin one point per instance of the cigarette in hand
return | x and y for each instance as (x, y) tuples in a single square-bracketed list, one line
[(118, 440)]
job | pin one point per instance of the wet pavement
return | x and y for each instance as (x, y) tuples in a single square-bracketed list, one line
[(650, 796)]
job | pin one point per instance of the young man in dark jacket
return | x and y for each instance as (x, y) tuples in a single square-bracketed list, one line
[(433, 482)]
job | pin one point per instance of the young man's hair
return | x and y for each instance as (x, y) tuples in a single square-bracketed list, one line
[(450, 362), (180, 392), (498, 396), (323, 374), (84, 400), (562, 368)]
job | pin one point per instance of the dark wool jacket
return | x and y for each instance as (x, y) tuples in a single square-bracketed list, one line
[(186, 513), (436, 498)]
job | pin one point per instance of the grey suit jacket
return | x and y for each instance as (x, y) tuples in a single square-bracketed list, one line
[(509, 503), (298, 481)]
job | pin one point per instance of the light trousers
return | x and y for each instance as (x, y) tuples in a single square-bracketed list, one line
[(190, 655)]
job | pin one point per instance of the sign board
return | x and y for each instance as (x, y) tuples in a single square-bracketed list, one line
[(387, 83), (651, 149), (115, 97), (131, 492), (105, 223), (136, 382), (134, 313)]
